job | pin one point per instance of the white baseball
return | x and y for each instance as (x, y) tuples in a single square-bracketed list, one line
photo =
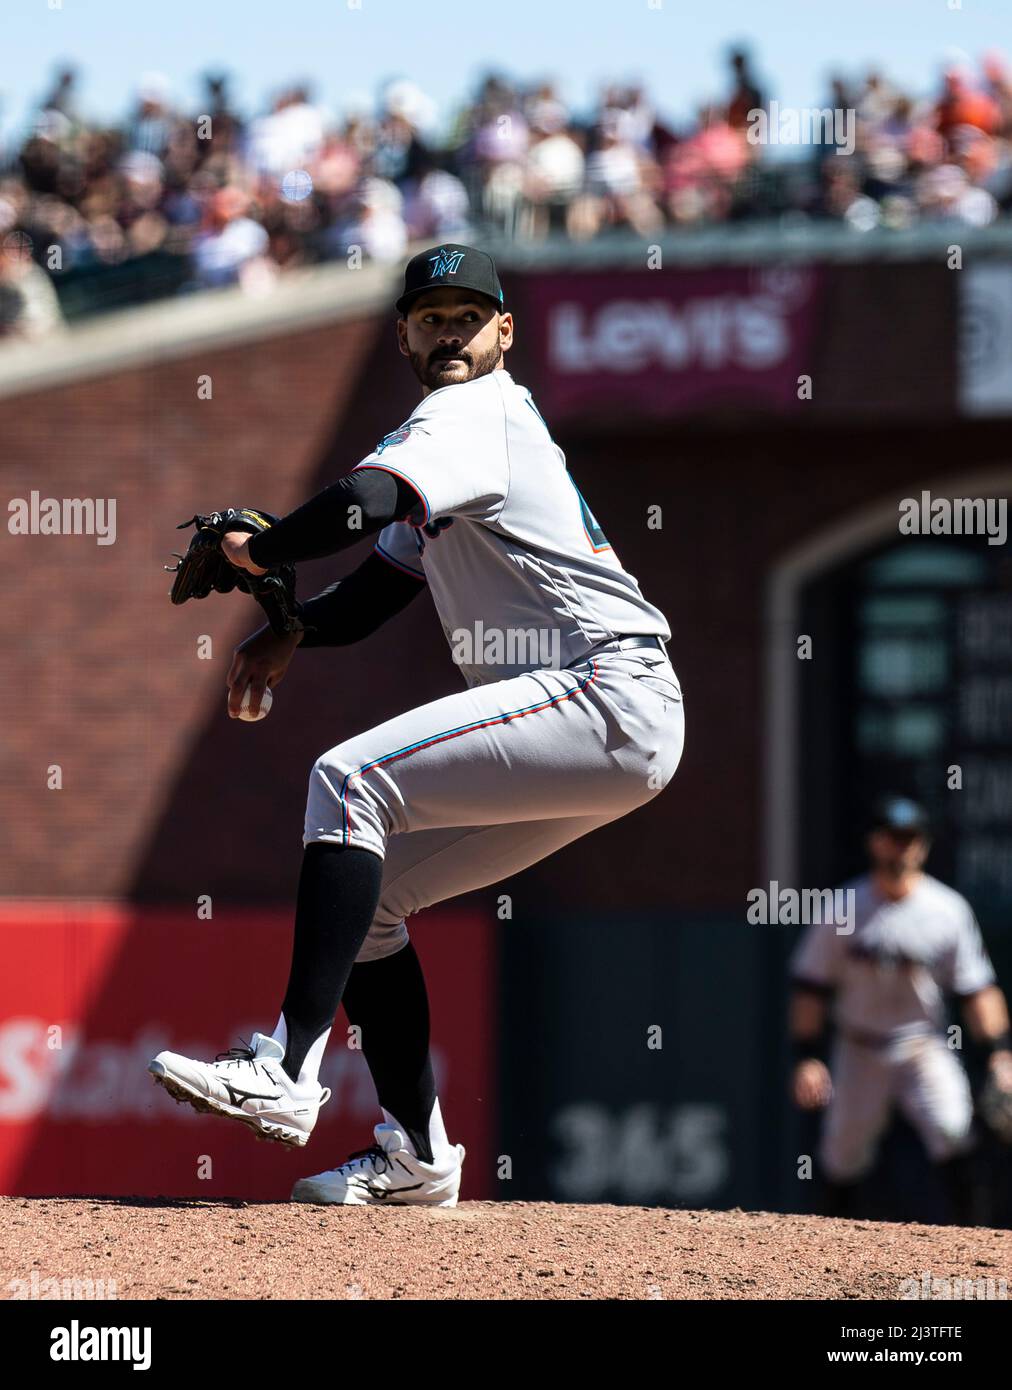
[(266, 700)]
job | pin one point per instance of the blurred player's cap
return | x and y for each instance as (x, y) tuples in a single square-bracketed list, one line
[(450, 266), (901, 814)]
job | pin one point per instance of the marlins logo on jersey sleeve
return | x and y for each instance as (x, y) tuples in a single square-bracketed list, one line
[(449, 454)]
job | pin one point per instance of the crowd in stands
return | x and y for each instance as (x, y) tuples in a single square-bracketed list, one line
[(227, 197)]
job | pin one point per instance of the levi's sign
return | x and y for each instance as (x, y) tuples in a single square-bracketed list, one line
[(627, 335), (664, 343)]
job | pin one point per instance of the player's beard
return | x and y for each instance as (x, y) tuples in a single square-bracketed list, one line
[(892, 868), (898, 865), (426, 366)]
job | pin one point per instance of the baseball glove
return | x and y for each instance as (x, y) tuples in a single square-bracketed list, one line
[(204, 568), (995, 1106)]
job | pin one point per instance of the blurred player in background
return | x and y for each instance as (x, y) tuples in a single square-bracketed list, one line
[(913, 940)]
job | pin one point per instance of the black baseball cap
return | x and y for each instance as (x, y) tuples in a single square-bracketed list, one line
[(901, 814), (451, 266)]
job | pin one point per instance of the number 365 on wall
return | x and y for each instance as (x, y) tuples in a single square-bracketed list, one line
[(645, 1153)]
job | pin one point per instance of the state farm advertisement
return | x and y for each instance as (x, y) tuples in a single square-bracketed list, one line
[(89, 994), (656, 343)]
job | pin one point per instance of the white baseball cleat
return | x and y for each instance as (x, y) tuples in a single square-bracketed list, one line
[(384, 1175), (248, 1084)]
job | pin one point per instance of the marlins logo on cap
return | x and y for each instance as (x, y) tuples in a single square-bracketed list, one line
[(451, 265), (445, 262)]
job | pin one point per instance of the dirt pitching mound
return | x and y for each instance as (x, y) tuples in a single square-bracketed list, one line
[(142, 1248)]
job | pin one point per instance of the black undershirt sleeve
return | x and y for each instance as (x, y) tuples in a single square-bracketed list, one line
[(326, 523), (357, 605)]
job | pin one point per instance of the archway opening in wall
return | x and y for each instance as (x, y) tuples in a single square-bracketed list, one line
[(909, 675), (910, 690)]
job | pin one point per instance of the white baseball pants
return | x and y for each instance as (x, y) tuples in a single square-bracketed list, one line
[(469, 789), (921, 1075)]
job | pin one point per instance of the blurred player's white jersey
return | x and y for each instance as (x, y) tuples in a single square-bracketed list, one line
[(891, 973), (502, 535)]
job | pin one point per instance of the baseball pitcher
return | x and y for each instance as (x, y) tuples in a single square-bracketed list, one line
[(914, 941), (571, 717)]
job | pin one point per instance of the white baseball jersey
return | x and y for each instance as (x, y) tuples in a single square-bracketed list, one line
[(892, 972), (534, 753), (502, 535)]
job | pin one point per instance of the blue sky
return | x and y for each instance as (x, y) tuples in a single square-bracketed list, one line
[(678, 48)]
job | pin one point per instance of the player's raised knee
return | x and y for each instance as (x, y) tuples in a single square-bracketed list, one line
[(332, 769)]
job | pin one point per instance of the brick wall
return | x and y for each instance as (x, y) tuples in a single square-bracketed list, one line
[(101, 674)]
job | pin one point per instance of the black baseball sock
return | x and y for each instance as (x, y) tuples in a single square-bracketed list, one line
[(338, 893), (839, 1198), (962, 1188), (387, 999)]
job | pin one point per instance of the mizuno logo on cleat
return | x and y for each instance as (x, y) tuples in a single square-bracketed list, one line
[(382, 1192), (237, 1097)]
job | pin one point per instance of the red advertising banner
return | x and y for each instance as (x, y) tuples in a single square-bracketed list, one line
[(90, 993), (654, 344)]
